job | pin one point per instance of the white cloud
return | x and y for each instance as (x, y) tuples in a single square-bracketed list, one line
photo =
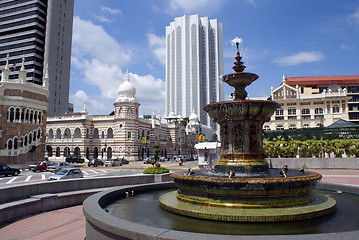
[(158, 45), (195, 7), (92, 105), (101, 59), (299, 58), (346, 47), (114, 11), (354, 18)]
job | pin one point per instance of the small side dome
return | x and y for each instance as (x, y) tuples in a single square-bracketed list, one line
[(193, 117), (172, 115)]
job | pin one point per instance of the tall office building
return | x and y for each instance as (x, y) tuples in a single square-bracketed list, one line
[(194, 63), (40, 31)]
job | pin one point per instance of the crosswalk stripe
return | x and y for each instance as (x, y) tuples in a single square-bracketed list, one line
[(93, 171), (43, 177), (84, 172), (28, 178), (105, 171), (11, 180)]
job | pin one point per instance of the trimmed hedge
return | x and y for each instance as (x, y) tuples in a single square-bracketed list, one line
[(311, 148)]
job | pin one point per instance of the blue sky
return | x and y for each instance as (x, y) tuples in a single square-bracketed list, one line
[(280, 37)]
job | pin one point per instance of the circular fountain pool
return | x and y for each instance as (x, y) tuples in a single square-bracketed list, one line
[(144, 209)]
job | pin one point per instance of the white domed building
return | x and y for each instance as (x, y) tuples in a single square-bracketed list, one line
[(123, 133)]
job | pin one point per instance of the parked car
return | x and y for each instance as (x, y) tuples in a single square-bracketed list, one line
[(57, 166), (39, 166), (6, 170), (116, 162), (75, 159), (66, 173), (148, 160), (95, 163)]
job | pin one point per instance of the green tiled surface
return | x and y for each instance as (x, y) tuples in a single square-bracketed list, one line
[(319, 207)]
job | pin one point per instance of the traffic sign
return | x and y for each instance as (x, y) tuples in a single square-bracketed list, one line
[(201, 138)]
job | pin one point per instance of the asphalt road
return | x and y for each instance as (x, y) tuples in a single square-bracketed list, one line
[(93, 172)]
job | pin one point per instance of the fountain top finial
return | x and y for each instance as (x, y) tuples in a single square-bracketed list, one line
[(238, 65)]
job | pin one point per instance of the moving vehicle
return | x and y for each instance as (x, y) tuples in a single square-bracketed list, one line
[(66, 173), (148, 160), (75, 159), (95, 163), (57, 166), (39, 166), (116, 162), (6, 170)]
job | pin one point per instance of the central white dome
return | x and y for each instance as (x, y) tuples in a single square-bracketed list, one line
[(126, 91)]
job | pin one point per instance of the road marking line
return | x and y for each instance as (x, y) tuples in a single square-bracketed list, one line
[(86, 173), (43, 177), (28, 178), (93, 171), (105, 171), (340, 175), (11, 180)]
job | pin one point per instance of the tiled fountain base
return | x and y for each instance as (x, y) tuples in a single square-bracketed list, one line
[(321, 206)]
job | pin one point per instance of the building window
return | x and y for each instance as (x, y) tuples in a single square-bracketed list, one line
[(335, 109), (266, 128), (279, 114), (280, 127), (128, 135), (292, 113), (292, 126), (319, 113), (306, 113), (306, 125)]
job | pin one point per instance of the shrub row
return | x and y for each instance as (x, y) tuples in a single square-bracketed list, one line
[(311, 148)]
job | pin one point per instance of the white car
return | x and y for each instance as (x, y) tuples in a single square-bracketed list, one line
[(66, 173), (57, 166)]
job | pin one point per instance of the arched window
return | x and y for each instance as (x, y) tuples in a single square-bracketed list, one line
[(9, 144), (319, 111), (87, 132), (280, 127), (129, 112), (120, 112), (49, 151), (109, 133), (266, 128), (95, 152), (77, 133), (50, 134), (77, 151), (66, 151), (11, 114), (30, 138), (292, 126), (95, 134), (25, 141), (27, 115), (128, 135), (306, 125), (67, 133), (15, 142), (109, 153), (17, 115), (58, 152), (39, 133), (58, 133), (35, 116), (31, 119)]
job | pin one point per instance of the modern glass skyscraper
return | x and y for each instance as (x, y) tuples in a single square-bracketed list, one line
[(40, 31), (194, 63)]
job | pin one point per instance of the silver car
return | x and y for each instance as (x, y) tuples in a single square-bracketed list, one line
[(57, 166), (67, 173)]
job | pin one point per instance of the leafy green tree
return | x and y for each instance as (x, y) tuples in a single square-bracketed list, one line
[(156, 151)]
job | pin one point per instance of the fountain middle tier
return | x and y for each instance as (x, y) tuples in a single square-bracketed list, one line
[(241, 123)]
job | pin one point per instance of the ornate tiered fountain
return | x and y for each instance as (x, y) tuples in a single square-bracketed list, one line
[(242, 187)]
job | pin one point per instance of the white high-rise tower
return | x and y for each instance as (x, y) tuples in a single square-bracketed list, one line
[(194, 63)]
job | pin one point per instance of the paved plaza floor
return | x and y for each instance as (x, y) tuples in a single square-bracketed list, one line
[(69, 223)]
